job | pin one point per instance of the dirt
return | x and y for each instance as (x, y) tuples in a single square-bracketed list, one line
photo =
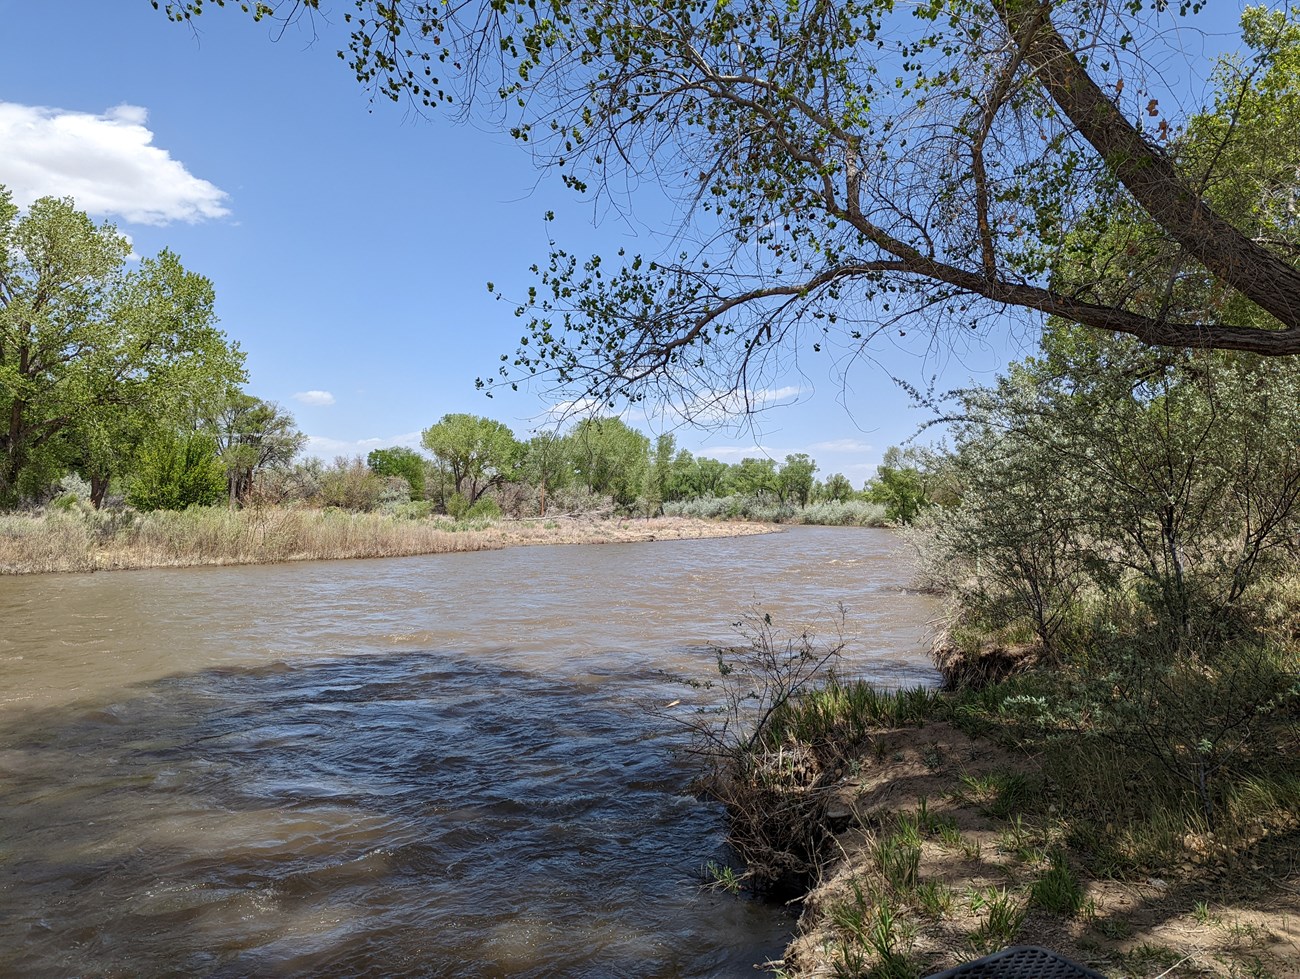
[(1197, 919)]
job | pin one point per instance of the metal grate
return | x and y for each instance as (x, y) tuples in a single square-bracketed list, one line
[(1020, 962)]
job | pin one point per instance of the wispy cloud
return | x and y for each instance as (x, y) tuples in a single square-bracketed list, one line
[(327, 448), (737, 452), (841, 445), (718, 407), (314, 397), (105, 161)]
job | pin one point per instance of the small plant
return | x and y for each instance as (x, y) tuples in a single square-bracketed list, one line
[(909, 829), (935, 899), (720, 877), (851, 916), (1001, 924), (899, 861), (887, 937), (1015, 838), (1058, 890), (949, 835)]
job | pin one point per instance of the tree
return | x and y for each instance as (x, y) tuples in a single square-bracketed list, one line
[(900, 485), (546, 464), (611, 458), (854, 168), (253, 435), (478, 452), (399, 461), (837, 487), (1174, 478), (795, 480), (94, 358), (754, 477)]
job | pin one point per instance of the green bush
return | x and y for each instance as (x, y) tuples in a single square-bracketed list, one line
[(484, 509), (176, 471)]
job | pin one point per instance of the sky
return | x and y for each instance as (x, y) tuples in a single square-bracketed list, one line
[(350, 243)]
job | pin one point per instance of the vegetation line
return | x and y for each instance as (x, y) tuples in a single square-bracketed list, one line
[(102, 540)]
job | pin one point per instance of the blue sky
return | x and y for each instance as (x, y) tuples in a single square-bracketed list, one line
[(350, 244)]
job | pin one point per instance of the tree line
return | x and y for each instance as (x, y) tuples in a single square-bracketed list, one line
[(476, 466)]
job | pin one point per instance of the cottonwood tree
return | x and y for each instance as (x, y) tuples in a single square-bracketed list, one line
[(252, 436), (479, 453), (95, 358), (850, 168)]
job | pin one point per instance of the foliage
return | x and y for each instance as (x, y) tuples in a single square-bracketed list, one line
[(399, 461), (477, 452), (901, 485), (1102, 466), (611, 458), (350, 485), (795, 480), (95, 359), (253, 435), (176, 471)]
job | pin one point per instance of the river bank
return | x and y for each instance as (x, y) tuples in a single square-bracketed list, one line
[(80, 541), (947, 826)]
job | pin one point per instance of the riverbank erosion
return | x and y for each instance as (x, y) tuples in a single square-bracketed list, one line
[(124, 539), (924, 829)]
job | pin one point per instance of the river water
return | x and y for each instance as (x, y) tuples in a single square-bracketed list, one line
[(456, 765)]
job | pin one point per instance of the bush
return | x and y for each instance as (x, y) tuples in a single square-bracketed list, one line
[(350, 485), (484, 508), (849, 513), (177, 471)]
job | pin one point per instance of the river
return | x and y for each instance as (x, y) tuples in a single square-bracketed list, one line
[(455, 765)]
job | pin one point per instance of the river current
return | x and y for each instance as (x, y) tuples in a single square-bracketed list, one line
[(455, 765)]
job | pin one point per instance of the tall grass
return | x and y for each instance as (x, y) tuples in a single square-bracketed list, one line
[(88, 541)]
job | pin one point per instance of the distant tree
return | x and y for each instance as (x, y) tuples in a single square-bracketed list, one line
[(713, 477), (547, 464), (755, 477), (93, 357), (252, 435), (479, 453), (350, 484), (900, 485), (837, 487), (611, 458), (795, 480), (399, 461)]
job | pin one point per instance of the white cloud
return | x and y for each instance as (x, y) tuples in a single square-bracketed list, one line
[(106, 162), (327, 448), (841, 445), (314, 397)]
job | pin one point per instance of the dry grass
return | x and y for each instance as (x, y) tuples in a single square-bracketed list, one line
[(91, 541)]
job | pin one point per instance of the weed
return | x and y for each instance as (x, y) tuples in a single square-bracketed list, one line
[(887, 935), (1015, 838), (1001, 924), (1058, 890), (720, 877), (935, 899), (899, 861), (949, 835)]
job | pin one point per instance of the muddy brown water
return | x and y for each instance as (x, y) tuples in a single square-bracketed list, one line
[(439, 766)]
